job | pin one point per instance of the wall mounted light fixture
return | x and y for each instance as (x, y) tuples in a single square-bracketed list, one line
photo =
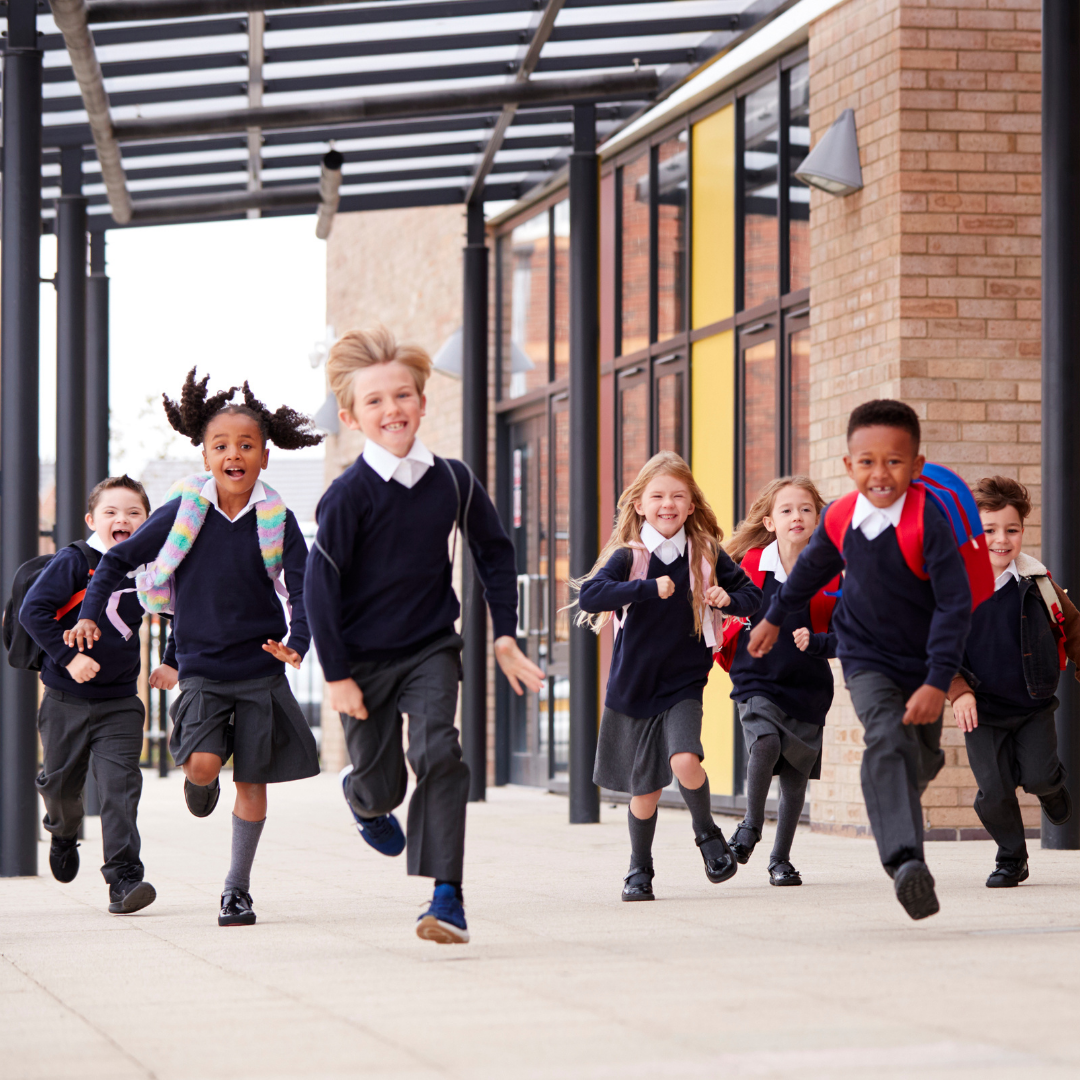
[(833, 165)]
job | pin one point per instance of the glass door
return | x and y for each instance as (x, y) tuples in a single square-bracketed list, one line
[(759, 414)]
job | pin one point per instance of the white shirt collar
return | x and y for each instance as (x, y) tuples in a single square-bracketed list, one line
[(770, 560), (665, 549), (209, 492), (405, 470), (874, 520), (1002, 579)]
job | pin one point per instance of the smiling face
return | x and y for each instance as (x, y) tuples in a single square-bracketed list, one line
[(1004, 535), (883, 461), (793, 517), (118, 513), (234, 453), (665, 504), (387, 406)]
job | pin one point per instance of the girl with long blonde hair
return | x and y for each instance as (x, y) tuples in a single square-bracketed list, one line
[(667, 582), (784, 696)]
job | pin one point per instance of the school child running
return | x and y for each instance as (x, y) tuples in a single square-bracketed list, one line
[(217, 552), (90, 704), (784, 697), (662, 575), (1003, 699), (381, 597), (900, 638)]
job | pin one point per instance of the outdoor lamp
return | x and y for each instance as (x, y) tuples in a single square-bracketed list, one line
[(833, 165), (448, 358)]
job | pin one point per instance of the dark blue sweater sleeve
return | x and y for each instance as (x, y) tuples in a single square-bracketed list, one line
[(169, 659), (609, 590), (294, 562), (61, 579), (818, 564), (822, 645), (735, 581), (951, 621)]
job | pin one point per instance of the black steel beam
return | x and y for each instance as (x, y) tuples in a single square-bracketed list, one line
[(584, 189), (20, 274), (1060, 372), (103, 11), (217, 204), (163, 65), (97, 364)]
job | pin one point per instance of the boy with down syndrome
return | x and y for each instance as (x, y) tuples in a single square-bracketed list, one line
[(1003, 698), (900, 638), (382, 606)]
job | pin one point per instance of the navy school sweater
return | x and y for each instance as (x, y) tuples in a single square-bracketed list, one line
[(225, 603), (64, 576), (889, 620), (799, 683), (658, 659), (379, 579)]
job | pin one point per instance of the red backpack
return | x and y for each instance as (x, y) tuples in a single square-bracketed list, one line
[(946, 491)]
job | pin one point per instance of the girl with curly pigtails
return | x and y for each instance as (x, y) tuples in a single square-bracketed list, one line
[(220, 556)]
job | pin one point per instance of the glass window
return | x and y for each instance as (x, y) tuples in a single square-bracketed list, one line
[(562, 524), (671, 197), (800, 402), (759, 413), (525, 364), (761, 247), (633, 428), (634, 270), (798, 192), (561, 337), (669, 412)]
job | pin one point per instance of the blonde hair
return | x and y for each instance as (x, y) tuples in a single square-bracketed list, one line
[(358, 349), (702, 530), (751, 531)]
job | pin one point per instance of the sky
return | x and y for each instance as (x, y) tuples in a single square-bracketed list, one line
[(238, 300)]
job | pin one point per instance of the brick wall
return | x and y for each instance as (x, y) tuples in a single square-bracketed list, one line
[(925, 284)]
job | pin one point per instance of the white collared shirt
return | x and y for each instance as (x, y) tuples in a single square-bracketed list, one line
[(667, 551), (874, 520), (97, 543), (770, 560), (209, 492), (407, 470), (1002, 579)]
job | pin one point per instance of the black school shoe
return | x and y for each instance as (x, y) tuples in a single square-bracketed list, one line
[(202, 800), (130, 896), (236, 909), (783, 873), (1008, 874), (1057, 807), (638, 883), (64, 859), (914, 886), (743, 841), (721, 867)]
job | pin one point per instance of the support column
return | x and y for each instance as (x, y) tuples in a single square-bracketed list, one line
[(97, 364), (20, 273), (1060, 373), (584, 451), (474, 425)]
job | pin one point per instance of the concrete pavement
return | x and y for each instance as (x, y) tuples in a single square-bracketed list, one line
[(561, 980)]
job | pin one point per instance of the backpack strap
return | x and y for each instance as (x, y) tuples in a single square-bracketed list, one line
[(1057, 616), (837, 518), (92, 557), (822, 605), (909, 533), (461, 521), (639, 571)]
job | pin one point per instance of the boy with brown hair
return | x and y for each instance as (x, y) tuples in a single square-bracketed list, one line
[(1003, 698)]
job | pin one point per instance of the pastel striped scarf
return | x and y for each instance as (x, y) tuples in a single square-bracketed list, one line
[(155, 583)]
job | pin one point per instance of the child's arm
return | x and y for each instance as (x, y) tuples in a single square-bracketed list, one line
[(56, 585), (294, 563), (733, 592), (962, 698), (822, 646), (164, 676), (609, 590)]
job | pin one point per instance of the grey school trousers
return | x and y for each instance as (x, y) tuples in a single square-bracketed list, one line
[(898, 763), (425, 687), (70, 728)]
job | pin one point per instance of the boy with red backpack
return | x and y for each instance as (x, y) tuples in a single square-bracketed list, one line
[(900, 628), (1003, 699)]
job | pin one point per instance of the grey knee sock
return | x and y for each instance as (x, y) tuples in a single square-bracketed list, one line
[(641, 838), (792, 797), (700, 806), (245, 839), (759, 773)]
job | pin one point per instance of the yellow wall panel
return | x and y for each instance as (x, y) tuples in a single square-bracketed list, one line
[(713, 461), (712, 274)]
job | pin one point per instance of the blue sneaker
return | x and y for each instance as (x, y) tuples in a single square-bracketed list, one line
[(444, 921), (382, 833)]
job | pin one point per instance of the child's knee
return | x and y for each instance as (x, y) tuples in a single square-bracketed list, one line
[(685, 765), (202, 769)]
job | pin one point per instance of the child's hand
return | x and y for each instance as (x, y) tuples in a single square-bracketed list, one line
[(664, 587), (346, 697), (762, 639), (716, 597), (802, 638), (924, 706), (967, 716), (517, 667), (282, 652), (82, 668), (84, 632), (163, 677)]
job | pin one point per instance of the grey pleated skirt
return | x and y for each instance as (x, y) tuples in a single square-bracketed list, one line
[(634, 755), (800, 741), (256, 722)]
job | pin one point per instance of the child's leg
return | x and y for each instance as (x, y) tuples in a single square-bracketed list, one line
[(64, 724), (201, 768), (694, 788), (990, 755), (249, 817), (641, 819), (764, 755), (792, 798), (1038, 765)]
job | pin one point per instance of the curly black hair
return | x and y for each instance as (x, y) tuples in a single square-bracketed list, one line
[(286, 428), (885, 412)]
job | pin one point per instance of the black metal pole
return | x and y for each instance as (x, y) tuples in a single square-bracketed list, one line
[(1060, 372), (584, 450), (20, 274), (474, 424), (97, 364)]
